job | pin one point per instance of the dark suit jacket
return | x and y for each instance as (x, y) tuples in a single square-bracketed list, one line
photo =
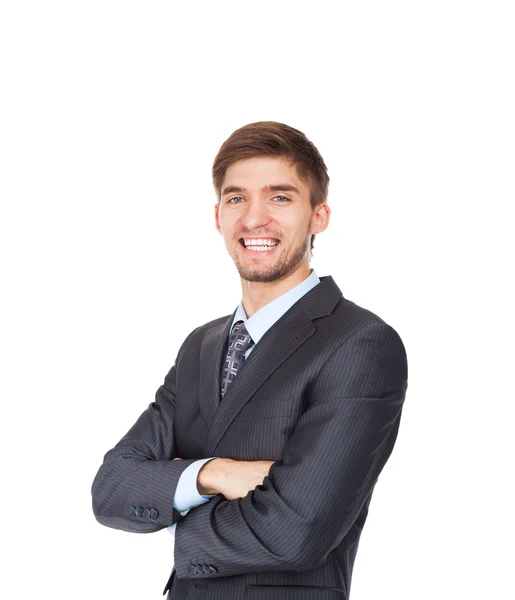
[(321, 394)]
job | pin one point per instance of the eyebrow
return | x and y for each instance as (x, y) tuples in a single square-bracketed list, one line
[(280, 187)]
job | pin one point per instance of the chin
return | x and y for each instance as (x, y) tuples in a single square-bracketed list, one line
[(273, 271), (263, 273), (258, 277)]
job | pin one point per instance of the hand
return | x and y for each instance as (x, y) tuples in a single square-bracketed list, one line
[(232, 478)]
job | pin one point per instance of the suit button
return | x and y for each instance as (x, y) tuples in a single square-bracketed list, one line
[(133, 511), (213, 569), (146, 513), (153, 513), (192, 570), (139, 512), (206, 569)]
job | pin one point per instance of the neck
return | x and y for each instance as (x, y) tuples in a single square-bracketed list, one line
[(256, 294)]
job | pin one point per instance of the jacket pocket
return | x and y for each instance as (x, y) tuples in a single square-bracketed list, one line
[(293, 592)]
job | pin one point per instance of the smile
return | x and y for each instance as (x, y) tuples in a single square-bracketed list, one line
[(254, 246)]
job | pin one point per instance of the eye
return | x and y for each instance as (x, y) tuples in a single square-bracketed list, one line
[(281, 198)]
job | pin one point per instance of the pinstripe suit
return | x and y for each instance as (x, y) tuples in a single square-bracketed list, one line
[(321, 395)]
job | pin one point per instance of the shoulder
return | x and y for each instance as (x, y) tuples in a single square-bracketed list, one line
[(364, 355), (350, 322), (195, 337), (348, 318)]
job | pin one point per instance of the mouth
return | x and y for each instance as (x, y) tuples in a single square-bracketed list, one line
[(259, 246)]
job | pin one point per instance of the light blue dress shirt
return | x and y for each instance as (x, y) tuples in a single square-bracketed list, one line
[(186, 494)]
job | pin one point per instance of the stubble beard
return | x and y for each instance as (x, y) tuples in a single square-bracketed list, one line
[(282, 267)]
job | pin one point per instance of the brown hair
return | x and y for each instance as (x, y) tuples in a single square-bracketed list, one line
[(269, 138)]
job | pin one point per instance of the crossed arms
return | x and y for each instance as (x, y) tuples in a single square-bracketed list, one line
[(309, 499)]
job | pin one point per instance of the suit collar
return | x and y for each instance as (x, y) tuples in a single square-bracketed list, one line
[(277, 344), (322, 299), (267, 315)]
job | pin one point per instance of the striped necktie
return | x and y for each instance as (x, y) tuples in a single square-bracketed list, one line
[(238, 344)]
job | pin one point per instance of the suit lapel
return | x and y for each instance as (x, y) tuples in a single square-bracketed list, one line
[(286, 335), (214, 345)]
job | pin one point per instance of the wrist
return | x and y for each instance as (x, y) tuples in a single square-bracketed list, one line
[(208, 476)]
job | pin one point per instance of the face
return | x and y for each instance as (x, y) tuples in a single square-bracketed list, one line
[(266, 219)]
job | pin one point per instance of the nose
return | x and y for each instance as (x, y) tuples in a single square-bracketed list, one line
[(255, 214)]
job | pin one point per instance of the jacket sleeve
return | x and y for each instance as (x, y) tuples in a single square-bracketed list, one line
[(135, 485), (329, 466)]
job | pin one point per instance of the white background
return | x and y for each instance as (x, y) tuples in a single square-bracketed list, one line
[(112, 113)]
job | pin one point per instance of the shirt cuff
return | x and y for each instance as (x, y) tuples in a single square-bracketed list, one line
[(186, 493)]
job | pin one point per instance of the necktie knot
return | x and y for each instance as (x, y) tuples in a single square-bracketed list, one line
[(239, 343)]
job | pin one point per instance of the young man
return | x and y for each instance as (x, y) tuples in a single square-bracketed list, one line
[(263, 446)]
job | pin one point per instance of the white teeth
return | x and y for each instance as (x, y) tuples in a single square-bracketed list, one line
[(260, 243), (262, 248)]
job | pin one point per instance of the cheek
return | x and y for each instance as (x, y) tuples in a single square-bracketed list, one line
[(296, 226), (226, 227)]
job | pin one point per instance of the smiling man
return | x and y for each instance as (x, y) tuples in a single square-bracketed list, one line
[(264, 443), (267, 228)]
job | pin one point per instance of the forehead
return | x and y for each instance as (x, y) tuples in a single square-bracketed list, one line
[(259, 171)]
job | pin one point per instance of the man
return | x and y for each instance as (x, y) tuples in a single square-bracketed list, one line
[(264, 443)]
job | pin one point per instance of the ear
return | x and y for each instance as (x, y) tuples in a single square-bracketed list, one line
[(217, 218), (320, 218)]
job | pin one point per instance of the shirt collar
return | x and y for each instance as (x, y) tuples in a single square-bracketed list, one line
[(259, 323)]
